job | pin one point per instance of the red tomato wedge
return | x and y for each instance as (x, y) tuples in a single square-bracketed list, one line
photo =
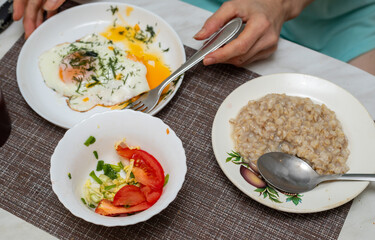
[(147, 170), (129, 195), (106, 208), (152, 195), (126, 153)]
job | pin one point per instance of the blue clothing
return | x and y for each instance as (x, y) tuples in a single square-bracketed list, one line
[(343, 29)]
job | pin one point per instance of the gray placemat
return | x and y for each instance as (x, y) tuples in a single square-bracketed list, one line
[(208, 206)]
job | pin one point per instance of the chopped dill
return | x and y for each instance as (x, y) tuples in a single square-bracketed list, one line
[(113, 9)]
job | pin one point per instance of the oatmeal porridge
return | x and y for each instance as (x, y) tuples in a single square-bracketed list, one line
[(294, 125)]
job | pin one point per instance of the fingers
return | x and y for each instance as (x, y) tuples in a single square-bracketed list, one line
[(262, 55), (226, 12), (248, 43), (31, 15), (18, 9), (52, 5), (262, 46), (39, 18), (51, 13), (32, 12)]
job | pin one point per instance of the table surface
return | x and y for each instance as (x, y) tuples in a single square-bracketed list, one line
[(290, 57)]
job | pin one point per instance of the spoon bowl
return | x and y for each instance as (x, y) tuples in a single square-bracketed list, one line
[(293, 175)]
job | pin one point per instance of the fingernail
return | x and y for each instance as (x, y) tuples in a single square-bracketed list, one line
[(200, 33), (50, 5), (208, 61)]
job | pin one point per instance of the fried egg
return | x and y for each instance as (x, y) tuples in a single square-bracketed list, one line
[(93, 71)]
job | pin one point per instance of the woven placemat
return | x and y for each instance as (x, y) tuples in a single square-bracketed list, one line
[(208, 205)]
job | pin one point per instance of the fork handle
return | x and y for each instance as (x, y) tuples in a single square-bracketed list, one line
[(218, 39)]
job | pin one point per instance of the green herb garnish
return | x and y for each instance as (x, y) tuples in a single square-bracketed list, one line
[(69, 176), (121, 165), (113, 9), (109, 171), (93, 175), (109, 187), (115, 167), (84, 201), (166, 179), (96, 154), (90, 54), (99, 166), (90, 141), (92, 84)]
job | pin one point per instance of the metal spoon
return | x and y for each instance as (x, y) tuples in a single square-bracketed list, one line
[(292, 174)]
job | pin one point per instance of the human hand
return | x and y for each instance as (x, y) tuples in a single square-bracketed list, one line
[(258, 40), (33, 12)]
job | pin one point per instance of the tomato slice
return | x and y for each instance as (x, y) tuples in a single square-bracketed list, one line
[(147, 170), (126, 153), (129, 195), (106, 208), (152, 195)]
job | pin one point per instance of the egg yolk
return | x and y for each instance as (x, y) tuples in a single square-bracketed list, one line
[(157, 71), (76, 67), (128, 11)]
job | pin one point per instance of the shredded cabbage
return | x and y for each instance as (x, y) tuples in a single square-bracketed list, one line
[(94, 192)]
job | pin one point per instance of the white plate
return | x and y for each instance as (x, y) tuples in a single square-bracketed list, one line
[(73, 24), (356, 122), (139, 129)]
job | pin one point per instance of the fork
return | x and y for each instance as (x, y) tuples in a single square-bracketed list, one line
[(148, 100)]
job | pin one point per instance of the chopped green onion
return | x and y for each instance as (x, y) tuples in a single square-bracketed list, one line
[(83, 200), (121, 165), (166, 179), (96, 154), (109, 187), (109, 172), (69, 176), (99, 166), (92, 205), (131, 175), (115, 167), (93, 175), (90, 141)]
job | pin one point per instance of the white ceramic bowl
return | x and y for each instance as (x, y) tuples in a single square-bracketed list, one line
[(139, 129)]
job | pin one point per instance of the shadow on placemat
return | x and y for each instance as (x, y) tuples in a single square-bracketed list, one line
[(208, 205)]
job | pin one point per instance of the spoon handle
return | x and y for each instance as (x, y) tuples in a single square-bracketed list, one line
[(357, 177)]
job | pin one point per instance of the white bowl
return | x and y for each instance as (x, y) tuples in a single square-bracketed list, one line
[(139, 129)]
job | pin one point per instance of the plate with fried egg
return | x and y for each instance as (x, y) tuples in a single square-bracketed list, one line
[(95, 58)]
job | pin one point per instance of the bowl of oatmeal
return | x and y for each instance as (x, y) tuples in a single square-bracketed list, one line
[(298, 114)]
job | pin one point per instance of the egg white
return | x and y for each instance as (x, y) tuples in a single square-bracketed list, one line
[(114, 78)]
